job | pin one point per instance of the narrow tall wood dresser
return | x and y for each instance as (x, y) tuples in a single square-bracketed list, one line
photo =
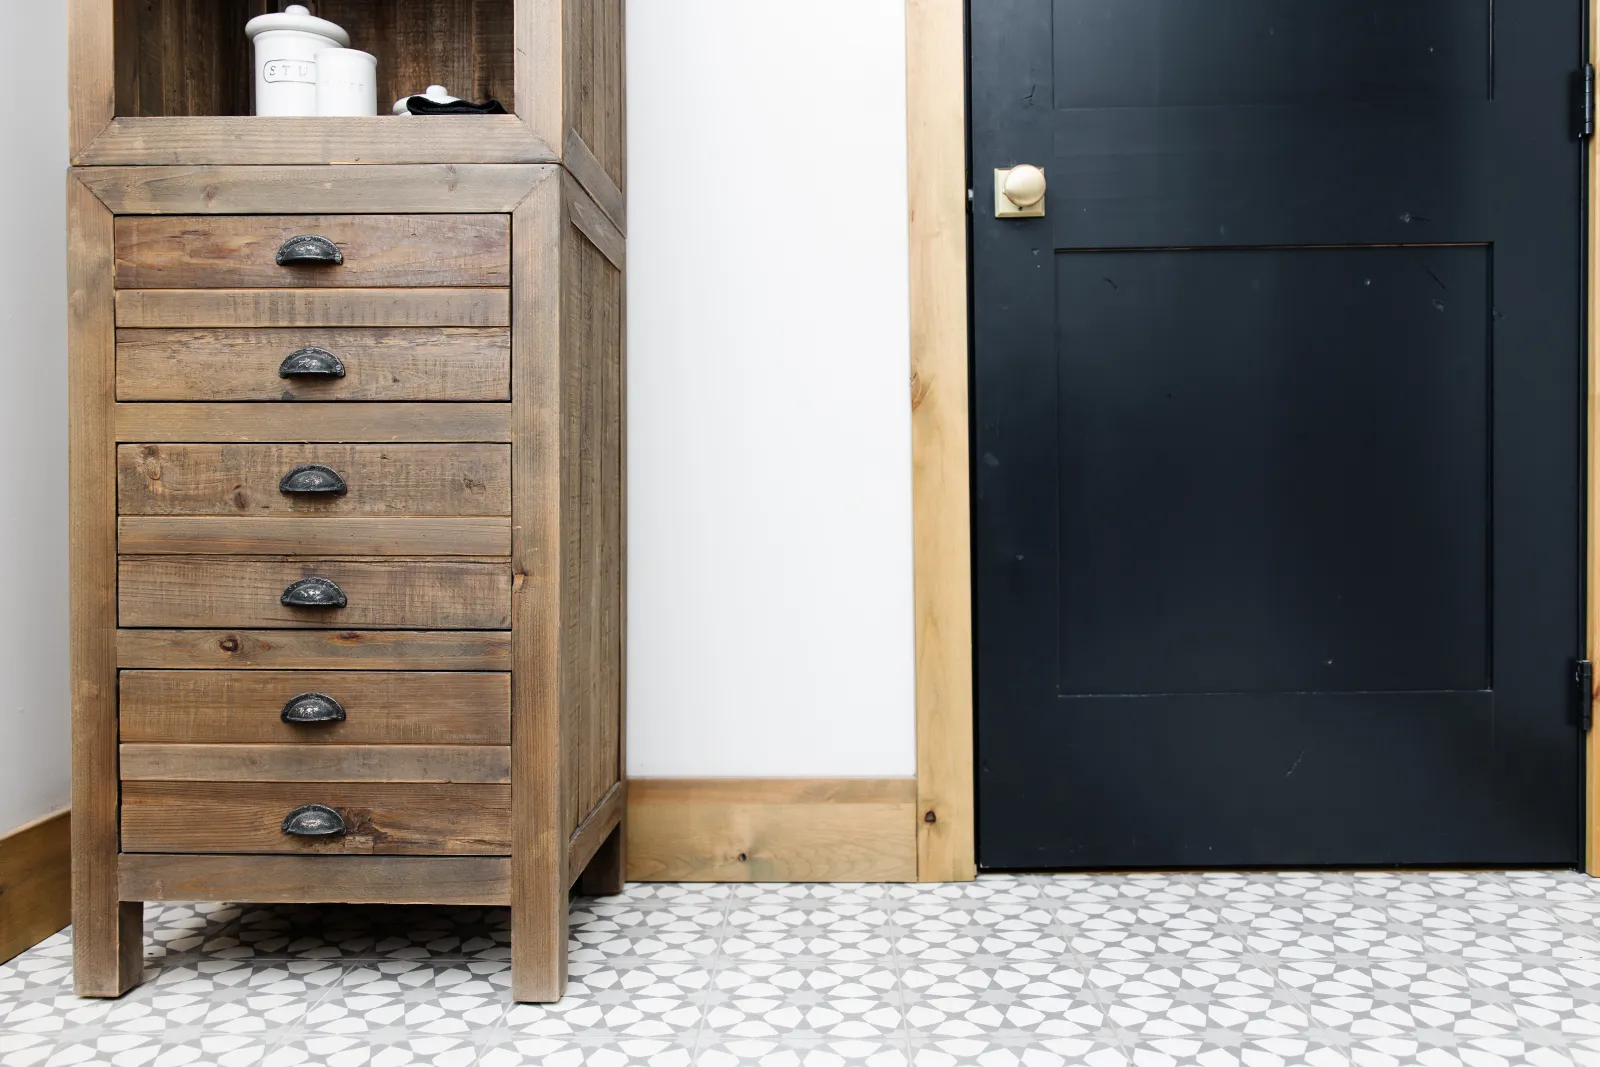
[(346, 473)]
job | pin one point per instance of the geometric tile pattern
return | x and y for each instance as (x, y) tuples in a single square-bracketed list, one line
[(1160, 970)]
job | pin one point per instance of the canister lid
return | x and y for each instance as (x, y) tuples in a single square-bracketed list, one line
[(298, 17), (437, 93)]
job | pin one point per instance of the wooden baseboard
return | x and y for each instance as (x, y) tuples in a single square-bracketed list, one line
[(772, 829), (35, 883)]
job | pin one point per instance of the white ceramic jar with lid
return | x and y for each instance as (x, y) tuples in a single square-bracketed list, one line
[(347, 82), (286, 47)]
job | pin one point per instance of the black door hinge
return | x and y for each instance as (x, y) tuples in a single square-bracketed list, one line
[(1586, 103), (1583, 679)]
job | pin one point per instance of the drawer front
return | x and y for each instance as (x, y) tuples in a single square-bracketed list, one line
[(399, 594), (319, 535), (260, 251), (249, 480), (305, 308), (396, 818), (375, 707), (329, 363), (484, 764)]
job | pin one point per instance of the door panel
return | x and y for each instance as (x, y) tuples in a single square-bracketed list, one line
[(1274, 467), (1277, 436), (1143, 53)]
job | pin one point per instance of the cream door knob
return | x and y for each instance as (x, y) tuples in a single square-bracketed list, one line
[(1024, 185)]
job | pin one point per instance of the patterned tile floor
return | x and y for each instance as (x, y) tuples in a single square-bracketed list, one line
[(1370, 970)]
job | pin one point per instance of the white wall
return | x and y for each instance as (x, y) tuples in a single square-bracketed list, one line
[(770, 613), (34, 701)]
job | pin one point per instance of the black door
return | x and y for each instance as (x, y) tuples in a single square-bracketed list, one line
[(1276, 440)]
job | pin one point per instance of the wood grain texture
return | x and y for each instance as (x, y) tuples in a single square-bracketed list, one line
[(108, 951), (177, 57), (250, 190), (591, 174), (201, 591), (425, 363), (594, 832), (588, 218), (349, 650), (382, 819), (942, 574), (466, 880), (463, 44), (242, 480), (35, 882), (607, 871), (594, 69), (91, 67), (185, 308), (772, 829), (177, 141), (591, 322), (540, 52), (319, 536), (246, 423), (241, 707), (542, 827), (612, 874), (239, 251), (479, 764)]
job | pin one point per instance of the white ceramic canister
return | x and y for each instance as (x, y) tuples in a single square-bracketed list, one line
[(286, 47), (347, 82)]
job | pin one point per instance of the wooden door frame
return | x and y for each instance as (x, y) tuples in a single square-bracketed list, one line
[(941, 477), (936, 135)]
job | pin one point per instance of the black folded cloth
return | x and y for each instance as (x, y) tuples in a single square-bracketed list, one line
[(421, 105)]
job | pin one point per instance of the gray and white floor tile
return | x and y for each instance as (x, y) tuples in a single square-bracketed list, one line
[(1371, 969)]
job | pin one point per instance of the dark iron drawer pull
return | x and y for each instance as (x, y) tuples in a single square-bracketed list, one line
[(309, 709), (313, 593), (313, 478), (311, 362), (309, 249), (314, 820)]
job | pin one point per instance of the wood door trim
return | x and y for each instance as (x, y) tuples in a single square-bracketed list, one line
[(772, 829), (941, 477), (35, 882)]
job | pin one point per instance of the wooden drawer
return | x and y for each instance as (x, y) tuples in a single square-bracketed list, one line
[(417, 363), (243, 251), (398, 594), (480, 764), (454, 479), (380, 707), (380, 818)]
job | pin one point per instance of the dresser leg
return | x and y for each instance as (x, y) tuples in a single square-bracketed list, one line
[(107, 946), (605, 873), (539, 950)]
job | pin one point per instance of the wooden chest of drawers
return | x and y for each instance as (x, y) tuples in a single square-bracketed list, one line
[(347, 474)]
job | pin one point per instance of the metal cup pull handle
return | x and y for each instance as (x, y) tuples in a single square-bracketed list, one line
[(312, 478), (314, 593), (311, 362), (314, 820), (309, 249), (311, 709)]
